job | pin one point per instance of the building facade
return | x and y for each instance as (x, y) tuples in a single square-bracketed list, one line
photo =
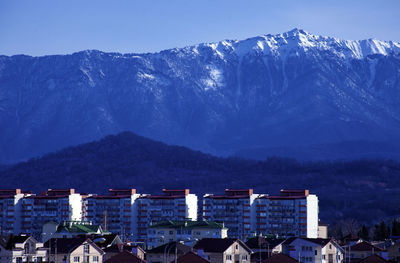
[(236, 209), (10, 211), (50, 206), (116, 212), (171, 205), (292, 213)]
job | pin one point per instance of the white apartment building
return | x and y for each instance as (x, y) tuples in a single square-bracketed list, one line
[(292, 213), (236, 209), (171, 205), (54, 205), (10, 211), (116, 212)]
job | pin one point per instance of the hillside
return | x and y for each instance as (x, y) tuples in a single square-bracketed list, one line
[(364, 189), (293, 89)]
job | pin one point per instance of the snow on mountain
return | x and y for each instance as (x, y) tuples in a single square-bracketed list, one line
[(281, 90)]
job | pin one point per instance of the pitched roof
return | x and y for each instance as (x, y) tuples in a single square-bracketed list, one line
[(374, 259), (319, 241), (124, 257), (364, 246), (188, 224), (263, 242), (12, 240), (66, 245), (280, 258), (218, 245), (78, 227), (191, 257), (169, 246)]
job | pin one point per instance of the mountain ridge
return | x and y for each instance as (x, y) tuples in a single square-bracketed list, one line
[(219, 98)]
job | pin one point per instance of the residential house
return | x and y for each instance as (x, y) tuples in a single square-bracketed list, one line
[(186, 231), (22, 248), (124, 257), (223, 250), (363, 249), (316, 250), (69, 229), (262, 246), (236, 209), (74, 250), (280, 258), (190, 257), (167, 252)]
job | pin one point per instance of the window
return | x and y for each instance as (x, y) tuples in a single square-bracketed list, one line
[(86, 248), (95, 258), (39, 259), (316, 252), (86, 259), (330, 246), (76, 259), (244, 257), (19, 259), (171, 232), (228, 257)]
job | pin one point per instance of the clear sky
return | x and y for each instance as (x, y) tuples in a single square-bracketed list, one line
[(40, 27)]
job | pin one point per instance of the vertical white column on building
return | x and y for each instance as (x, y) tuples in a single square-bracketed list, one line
[(312, 216)]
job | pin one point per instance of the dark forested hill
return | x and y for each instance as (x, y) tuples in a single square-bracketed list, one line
[(363, 189)]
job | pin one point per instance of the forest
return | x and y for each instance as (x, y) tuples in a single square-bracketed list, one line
[(365, 190)]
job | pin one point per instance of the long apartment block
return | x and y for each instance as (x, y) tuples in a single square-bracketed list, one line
[(129, 214)]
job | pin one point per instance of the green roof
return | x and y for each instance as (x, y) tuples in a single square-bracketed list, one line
[(78, 227), (188, 224)]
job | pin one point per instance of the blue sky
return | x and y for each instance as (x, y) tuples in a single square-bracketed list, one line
[(40, 27)]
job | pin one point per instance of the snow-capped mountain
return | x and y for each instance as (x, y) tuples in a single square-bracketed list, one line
[(280, 90)]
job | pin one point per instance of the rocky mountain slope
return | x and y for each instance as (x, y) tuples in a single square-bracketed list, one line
[(271, 91)]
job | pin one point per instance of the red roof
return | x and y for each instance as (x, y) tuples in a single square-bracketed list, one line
[(191, 257), (124, 257), (374, 259), (280, 258), (365, 246)]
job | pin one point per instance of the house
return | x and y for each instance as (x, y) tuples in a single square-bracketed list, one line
[(280, 258), (69, 229), (167, 252), (191, 257), (22, 248), (364, 249), (187, 231), (394, 251), (74, 250), (373, 259), (317, 250), (124, 257), (223, 250), (262, 246)]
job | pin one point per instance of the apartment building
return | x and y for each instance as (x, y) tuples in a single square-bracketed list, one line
[(54, 205), (171, 205), (10, 211), (236, 209), (185, 231), (115, 212), (292, 213)]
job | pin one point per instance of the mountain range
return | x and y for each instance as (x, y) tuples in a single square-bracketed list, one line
[(257, 97)]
